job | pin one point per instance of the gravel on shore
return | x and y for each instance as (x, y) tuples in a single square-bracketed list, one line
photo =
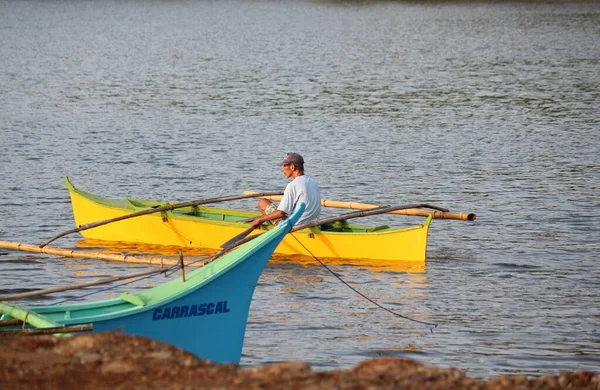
[(118, 361)]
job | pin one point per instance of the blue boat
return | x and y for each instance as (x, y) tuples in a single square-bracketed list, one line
[(206, 314)]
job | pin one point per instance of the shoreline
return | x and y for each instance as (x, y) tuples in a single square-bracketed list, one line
[(118, 361)]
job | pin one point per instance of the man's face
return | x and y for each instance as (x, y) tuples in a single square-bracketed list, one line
[(288, 170)]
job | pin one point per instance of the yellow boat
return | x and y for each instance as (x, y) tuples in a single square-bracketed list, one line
[(209, 227)]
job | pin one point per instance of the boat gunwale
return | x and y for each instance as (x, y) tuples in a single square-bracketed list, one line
[(108, 202), (212, 271), (181, 290)]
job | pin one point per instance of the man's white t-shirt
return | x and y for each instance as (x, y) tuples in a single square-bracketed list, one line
[(303, 189)]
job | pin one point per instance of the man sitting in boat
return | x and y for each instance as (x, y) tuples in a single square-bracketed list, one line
[(302, 189)]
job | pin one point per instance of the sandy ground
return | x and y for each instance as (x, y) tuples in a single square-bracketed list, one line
[(118, 361)]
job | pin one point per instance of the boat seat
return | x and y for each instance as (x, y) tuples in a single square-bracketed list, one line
[(133, 299), (380, 227), (337, 226)]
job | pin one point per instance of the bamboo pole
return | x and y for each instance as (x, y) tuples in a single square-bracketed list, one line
[(78, 286), (357, 214), (353, 214), (10, 322), (42, 331), (87, 254), (167, 207), (437, 214)]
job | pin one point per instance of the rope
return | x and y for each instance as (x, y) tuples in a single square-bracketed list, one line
[(172, 269), (168, 272), (103, 289), (433, 325)]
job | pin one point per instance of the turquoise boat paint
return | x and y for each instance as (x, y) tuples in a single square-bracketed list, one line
[(205, 315)]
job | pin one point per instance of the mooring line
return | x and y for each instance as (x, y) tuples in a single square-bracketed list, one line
[(112, 287), (433, 325), (167, 273), (102, 290)]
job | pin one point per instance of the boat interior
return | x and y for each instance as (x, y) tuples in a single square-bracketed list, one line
[(230, 215)]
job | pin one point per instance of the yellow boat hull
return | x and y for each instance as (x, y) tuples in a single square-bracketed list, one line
[(174, 228)]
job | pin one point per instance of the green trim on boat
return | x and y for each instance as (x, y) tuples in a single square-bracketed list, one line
[(133, 299), (155, 296), (29, 317), (116, 203)]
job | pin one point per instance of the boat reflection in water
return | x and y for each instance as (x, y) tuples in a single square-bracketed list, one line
[(366, 264), (171, 254)]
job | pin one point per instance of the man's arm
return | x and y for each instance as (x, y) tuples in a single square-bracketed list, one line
[(268, 217)]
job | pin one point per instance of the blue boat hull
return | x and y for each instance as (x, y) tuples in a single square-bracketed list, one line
[(210, 322), (205, 315)]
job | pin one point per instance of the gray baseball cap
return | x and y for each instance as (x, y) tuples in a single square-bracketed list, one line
[(292, 158)]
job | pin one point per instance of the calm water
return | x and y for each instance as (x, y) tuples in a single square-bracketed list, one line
[(487, 108)]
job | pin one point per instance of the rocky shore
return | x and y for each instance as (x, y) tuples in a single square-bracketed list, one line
[(118, 361)]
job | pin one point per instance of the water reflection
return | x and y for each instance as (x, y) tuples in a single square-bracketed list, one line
[(364, 264), (192, 254), (173, 252)]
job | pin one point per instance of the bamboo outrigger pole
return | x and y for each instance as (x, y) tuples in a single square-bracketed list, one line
[(437, 214), (242, 237), (167, 207), (87, 254), (365, 213), (59, 330), (79, 286), (24, 316)]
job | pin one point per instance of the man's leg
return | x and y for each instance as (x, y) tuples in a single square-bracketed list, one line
[(267, 207)]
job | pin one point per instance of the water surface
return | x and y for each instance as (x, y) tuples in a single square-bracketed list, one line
[(487, 108)]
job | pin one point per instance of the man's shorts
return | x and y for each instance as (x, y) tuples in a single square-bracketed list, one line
[(271, 208)]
